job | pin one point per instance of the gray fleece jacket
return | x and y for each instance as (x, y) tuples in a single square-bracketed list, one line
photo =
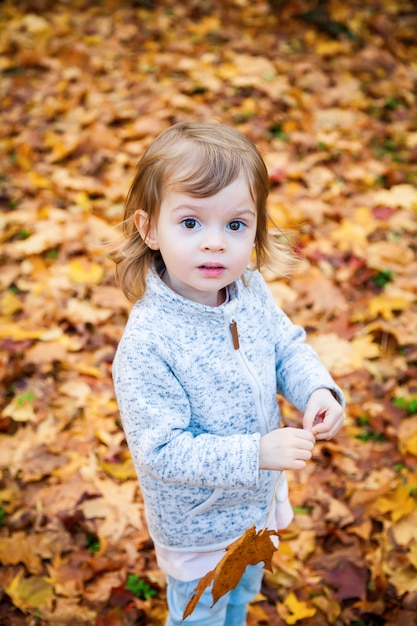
[(195, 398)]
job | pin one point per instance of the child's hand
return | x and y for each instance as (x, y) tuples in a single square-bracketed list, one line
[(286, 448), (323, 416)]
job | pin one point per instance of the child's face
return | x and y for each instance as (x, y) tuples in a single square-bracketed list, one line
[(206, 243)]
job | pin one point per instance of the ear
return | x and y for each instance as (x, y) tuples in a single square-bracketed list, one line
[(146, 230)]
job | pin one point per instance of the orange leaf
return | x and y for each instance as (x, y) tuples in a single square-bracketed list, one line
[(251, 548)]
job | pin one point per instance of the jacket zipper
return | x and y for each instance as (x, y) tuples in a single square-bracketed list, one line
[(235, 334), (248, 371), (254, 383)]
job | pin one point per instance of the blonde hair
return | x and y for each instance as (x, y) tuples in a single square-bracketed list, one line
[(199, 159)]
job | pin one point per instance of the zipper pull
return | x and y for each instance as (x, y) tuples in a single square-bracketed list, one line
[(235, 334)]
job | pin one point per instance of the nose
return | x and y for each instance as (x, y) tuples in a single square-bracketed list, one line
[(213, 240)]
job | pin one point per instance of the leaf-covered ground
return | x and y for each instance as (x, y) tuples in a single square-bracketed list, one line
[(328, 93)]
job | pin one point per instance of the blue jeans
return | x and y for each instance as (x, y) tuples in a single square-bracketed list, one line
[(230, 610)]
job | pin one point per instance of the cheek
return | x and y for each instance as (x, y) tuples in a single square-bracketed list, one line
[(173, 246)]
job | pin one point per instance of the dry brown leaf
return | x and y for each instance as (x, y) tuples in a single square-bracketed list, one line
[(252, 548)]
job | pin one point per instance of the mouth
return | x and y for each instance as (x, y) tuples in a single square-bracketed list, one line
[(211, 270)]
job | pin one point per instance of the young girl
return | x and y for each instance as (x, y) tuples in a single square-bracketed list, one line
[(203, 356)]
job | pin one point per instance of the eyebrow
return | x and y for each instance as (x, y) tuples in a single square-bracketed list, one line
[(192, 207)]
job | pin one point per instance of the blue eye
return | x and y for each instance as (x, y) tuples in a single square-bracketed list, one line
[(189, 223), (236, 225)]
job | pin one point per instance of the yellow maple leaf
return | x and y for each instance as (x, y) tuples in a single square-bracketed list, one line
[(30, 593), (293, 609), (399, 503), (121, 471), (404, 579), (385, 304), (404, 531), (85, 273), (351, 236), (342, 356), (83, 200), (402, 327), (10, 303)]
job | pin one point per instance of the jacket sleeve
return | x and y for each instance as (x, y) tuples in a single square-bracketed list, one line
[(299, 371), (298, 367), (156, 416)]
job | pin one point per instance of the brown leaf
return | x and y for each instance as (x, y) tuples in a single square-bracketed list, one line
[(251, 548)]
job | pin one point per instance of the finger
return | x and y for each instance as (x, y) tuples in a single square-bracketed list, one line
[(304, 455), (297, 465), (304, 444), (308, 419), (301, 458), (326, 431), (313, 417), (305, 435)]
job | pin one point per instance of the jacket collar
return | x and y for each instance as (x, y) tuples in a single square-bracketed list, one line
[(169, 299)]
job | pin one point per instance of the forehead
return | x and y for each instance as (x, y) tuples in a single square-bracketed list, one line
[(236, 196)]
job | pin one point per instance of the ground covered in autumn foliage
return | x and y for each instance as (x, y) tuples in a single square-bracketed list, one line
[(327, 90)]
